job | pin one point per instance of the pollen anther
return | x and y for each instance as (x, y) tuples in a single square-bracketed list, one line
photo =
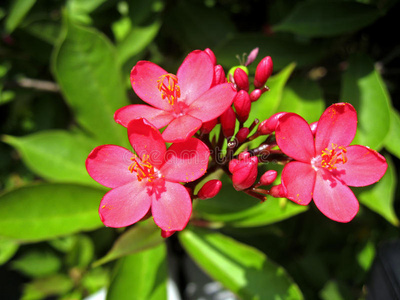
[(167, 84), (331, 157), (143, 168)]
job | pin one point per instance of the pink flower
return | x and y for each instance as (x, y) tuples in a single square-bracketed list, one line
[(324, 167), (148, 179), (183, 101)]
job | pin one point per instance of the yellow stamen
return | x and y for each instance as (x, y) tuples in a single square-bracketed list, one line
[(168, 86), (331, 157), (143, 169)]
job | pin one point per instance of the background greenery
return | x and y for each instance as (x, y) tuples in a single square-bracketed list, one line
[(64, 70)]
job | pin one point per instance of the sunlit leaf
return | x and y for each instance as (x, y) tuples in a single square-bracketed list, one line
[(392, 141), (244, 270), (7, 250), (17, 12)]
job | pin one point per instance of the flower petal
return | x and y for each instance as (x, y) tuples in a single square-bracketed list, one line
[(333, 198), (109, 165), (146, 140), (364, 166), (144, 76), (294, 137), (125, 205), (337, 125), (212, 103), (159, 118), (298, 178), (185, 161), (195, 75), (172, 209), (181, 129)]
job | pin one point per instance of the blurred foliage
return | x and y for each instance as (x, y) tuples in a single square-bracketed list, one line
[(64, 70)]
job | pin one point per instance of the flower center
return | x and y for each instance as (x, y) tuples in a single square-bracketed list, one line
[(143, 168), (168, 86), (331, 157)]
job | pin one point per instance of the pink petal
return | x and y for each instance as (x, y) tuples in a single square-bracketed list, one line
[(109, 165), (159, 118), (125, 205), (146, 140), (333, 198), (185, 161), (172, 209), (364, 166), (298, 178), (144, 76), (337, 125), (212, 103), (195, 75), (294, 137), (181, 129)]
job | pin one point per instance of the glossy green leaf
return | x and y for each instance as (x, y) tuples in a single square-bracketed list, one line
[(37, 263), (244, 270), (44, 211), (17, 12), (328, 18), (86, 67), (392, 141), (138, 238), (380, 196), (55, 155), (304, 97), (140, 276), (7, 250), (80, 9), (363, 87)]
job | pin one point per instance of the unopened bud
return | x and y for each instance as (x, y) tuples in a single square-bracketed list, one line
[(242, 134), (252, 56), (208, 126), (268, 177), (244, 155), (278, 191), (219, 75), (241, 79), (242, 104), (211, 55), (313, 127), (228, 122), (210, 189), (269, 125), (263, 72), (244, 172), (255, 95)]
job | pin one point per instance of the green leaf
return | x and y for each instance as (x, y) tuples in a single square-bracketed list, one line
[(37, 263), (48, 286), (140, 276), (244, 270), (392, 141), (328, 18), (82, 252), (87, 70), (380, 196), (331, 291), (138, 238), (80, 9), (304, 97), (55, 155), (363, 87), (44, 211), (18, 10), (7, 250)]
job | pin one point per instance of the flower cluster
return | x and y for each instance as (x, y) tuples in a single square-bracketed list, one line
[(203, 113)]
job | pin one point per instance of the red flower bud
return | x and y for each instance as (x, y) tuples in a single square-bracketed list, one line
[(278, 191), (263, 72), (242, 105), (244, 172), (210, 189), (244, 155), (241, 79), (255, 95), (208, 126), (268, 177), (219, 75), (228, 122), (242, 134), (313, 127), (252, 56), (269, 125), (211, 55)]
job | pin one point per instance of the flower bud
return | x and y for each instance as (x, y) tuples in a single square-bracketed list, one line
[(269, 125), (255, 95), (268, 177), (244, 155), (242, 134), (211, 55), (210, 189), (263, 72), (244, 172), (252, 56), (313, 127), (278, 191), (208, 126), (219, 75), (241, 79), (242, 104), (228, 122)]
